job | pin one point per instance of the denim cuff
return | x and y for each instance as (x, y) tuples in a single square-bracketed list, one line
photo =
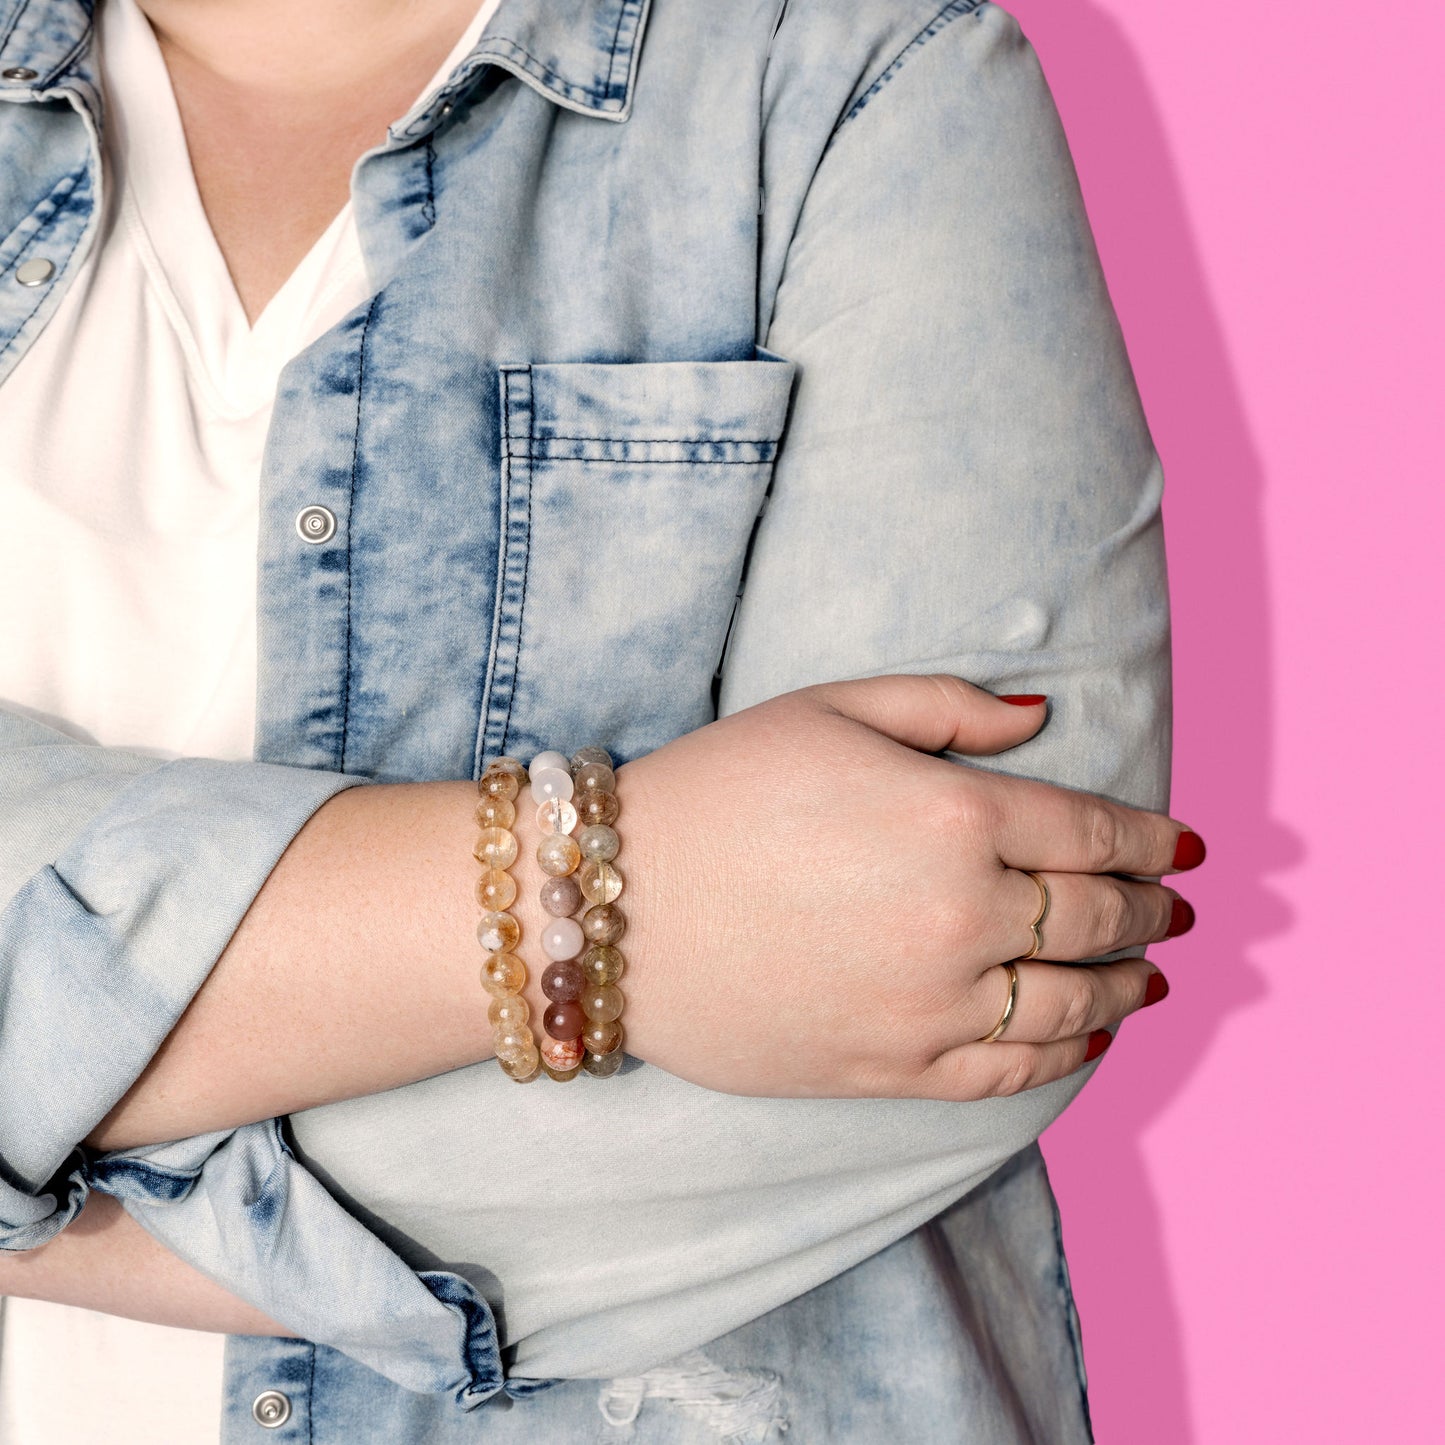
[(239, 1206), (101, 952)]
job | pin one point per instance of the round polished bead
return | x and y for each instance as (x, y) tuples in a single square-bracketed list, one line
[(496, 812), (557, 815), (503, 973), (515, 766), (599, 882), (603, 1066), (603, 964), (564, 1020), (602, 1001), (513, 1041), (591, 755), (601, 1036), (595, 777), (564, 981), (508, 1009), (551, 783), (562, 938), (550, 759), (603, 923), (599, 843), (594, 807), (496, 889), (525, 1069), (499, 932), (562, 1054), (498, 785), (496, 847), (561, 1075), (561, 897), (559, 855)]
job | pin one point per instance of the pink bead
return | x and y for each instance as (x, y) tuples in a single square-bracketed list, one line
[(563, 982), (565, 1021), (562, 938)]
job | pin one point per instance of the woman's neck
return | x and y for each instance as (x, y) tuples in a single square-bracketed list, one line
[(279, 100)]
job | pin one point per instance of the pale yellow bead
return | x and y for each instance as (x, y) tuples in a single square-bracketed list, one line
[(603, 964), (523, 1069), (600, 882), (499, 932), (508, 1009), (512, 1041), (496, 847), (496, 889), (503, 973), (558, 855), (601, 1036), (496, 813)]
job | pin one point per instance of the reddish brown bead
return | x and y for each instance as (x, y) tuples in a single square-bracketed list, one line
[(565, 1021), (563, 982)]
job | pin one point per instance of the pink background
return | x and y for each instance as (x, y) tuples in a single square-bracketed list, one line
[(1247, 1187)]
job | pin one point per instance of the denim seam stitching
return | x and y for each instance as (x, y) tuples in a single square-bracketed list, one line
[(526, 568), (622, 10), (311, 1399), (670, 441), (71, 55), (952, 11), (47, 292), (350, 506), (429, 206)]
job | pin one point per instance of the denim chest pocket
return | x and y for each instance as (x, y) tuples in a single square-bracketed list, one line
[(628, 497)]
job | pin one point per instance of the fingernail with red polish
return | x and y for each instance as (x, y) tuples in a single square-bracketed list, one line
[(1024, 699), (1188, 851), (1099, 1040), (1181, 919), (1157, 988)]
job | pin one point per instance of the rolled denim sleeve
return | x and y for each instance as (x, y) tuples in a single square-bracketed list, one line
[(124, 877), (966, 483)]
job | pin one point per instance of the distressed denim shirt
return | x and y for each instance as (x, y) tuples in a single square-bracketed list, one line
[(713, 350)]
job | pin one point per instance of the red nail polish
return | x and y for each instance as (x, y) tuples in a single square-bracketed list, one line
[(1024, 699), (1181, 919), (1188, 851), (1157, 988), (1099, 1040)]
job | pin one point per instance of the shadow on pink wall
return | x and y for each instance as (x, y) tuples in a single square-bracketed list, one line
[(1113, 1217)]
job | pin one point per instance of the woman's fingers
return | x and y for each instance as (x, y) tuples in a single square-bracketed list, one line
[(1039, 826), (1088, 915), (1054, 1003), (1062, 1017)]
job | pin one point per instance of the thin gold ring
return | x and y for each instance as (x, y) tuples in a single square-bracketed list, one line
[(1008, 1008), (1036, 926)]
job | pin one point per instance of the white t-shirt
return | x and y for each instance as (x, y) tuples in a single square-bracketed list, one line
[(129, 495)]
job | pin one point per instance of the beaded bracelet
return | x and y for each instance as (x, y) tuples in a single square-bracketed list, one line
[(582, 1022)]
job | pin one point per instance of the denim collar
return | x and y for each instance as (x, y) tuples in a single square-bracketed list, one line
[(582, 54)]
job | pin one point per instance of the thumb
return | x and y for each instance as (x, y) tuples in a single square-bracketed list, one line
[(935, 711)]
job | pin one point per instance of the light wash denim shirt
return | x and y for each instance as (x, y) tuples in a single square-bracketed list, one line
[(715, 349)]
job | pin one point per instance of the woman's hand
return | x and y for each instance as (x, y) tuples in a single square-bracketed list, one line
[(819, 908)]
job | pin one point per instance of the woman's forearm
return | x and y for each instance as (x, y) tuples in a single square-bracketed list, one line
[(105, 1261), (354, 970)]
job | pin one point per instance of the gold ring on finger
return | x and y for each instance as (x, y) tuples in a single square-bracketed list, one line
[(1036, 926), (1008, 1008)]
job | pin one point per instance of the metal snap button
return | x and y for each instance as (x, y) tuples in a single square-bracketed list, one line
[(271, 1409), (315, 525), (35, 272), (19, 72)]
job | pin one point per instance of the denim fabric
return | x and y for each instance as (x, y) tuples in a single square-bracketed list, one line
[(714, 350)]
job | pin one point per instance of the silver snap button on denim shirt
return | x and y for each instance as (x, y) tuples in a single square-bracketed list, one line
[(271, 1409), (315, 524), (35, 272), (19, 72)]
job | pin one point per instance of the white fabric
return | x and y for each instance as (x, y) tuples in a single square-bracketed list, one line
[(129, 487)]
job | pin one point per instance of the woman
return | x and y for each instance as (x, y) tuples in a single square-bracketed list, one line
[(661, 360)]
